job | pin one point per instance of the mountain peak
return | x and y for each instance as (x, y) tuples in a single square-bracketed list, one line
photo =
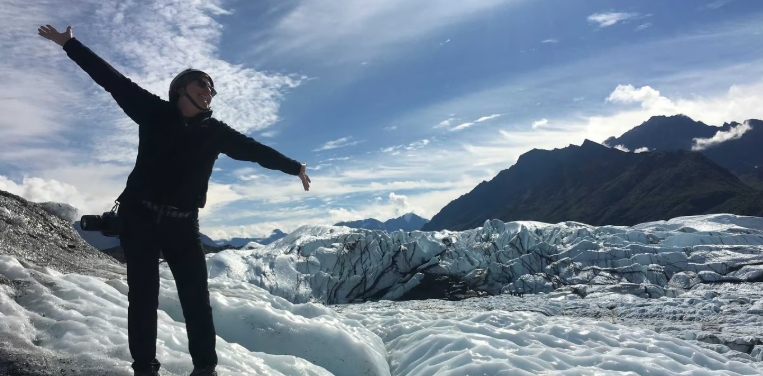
[(406, 222), (675, 132)]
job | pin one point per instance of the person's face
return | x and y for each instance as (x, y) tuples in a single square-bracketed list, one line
[(201, 91)]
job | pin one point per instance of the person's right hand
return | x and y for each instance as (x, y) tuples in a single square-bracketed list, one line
[(50, 32)]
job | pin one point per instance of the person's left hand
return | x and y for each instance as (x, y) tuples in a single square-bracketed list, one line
[(305, 179)]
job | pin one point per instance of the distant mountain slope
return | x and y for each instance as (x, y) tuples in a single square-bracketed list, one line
[(240, 242), (406, 222), (743, 156), (100, 242), (598, 185)]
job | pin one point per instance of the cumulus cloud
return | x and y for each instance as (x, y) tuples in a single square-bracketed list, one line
[(540, 123), (609, 19), (646, 96), (40, 190), (641, 150), (401, 204), (622, 148), (739, 102), (50, 190), (339, 143), (721, 137)]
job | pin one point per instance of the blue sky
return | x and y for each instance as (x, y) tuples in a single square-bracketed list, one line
[(396, 106)]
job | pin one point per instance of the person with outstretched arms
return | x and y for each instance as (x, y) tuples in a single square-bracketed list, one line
[(179, 142)]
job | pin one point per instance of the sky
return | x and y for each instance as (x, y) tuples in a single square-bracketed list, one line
[(396, 106)]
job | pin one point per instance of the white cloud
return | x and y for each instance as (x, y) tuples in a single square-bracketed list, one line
[(394, 150), (401, 204), (644, 26), (721, 137), (625, 149), (336, 159), (359, 29), (434, 176), (340, 143), (609, 19), (429, 179), (417, 145), (219, 195), (717, 4), (40, 190), (739, 102), (552, 40), (486, 118), (540, 123), (246, 174), (646, 96), (151, 43), (269, 134), (462, 126), (445, 123), (51, 97)]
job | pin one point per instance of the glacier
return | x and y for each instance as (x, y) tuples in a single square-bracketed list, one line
[(673, 297), (341, 265)]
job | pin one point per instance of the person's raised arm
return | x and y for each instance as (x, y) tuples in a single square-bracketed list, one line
[(134, 100), (244, 148)]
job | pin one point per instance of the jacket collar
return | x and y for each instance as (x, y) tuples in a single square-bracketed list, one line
[(199, 119)]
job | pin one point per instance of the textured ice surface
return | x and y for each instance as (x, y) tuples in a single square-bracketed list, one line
[(84, 320), (341, 265), (81, 320), (665, 298)]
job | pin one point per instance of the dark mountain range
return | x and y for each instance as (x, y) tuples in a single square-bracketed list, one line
[(743, 156), (598, 185), (407, 222)]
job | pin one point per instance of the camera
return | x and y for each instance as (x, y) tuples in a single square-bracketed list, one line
[(109, 224)]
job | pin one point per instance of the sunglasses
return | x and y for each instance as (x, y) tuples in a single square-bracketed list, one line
[(204, 84)]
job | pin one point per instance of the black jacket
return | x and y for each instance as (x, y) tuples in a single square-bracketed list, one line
[(175, 155)]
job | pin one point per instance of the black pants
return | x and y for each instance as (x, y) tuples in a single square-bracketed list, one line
[(180, 242)]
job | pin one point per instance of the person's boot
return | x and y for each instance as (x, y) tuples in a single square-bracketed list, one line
[(206, 371)]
